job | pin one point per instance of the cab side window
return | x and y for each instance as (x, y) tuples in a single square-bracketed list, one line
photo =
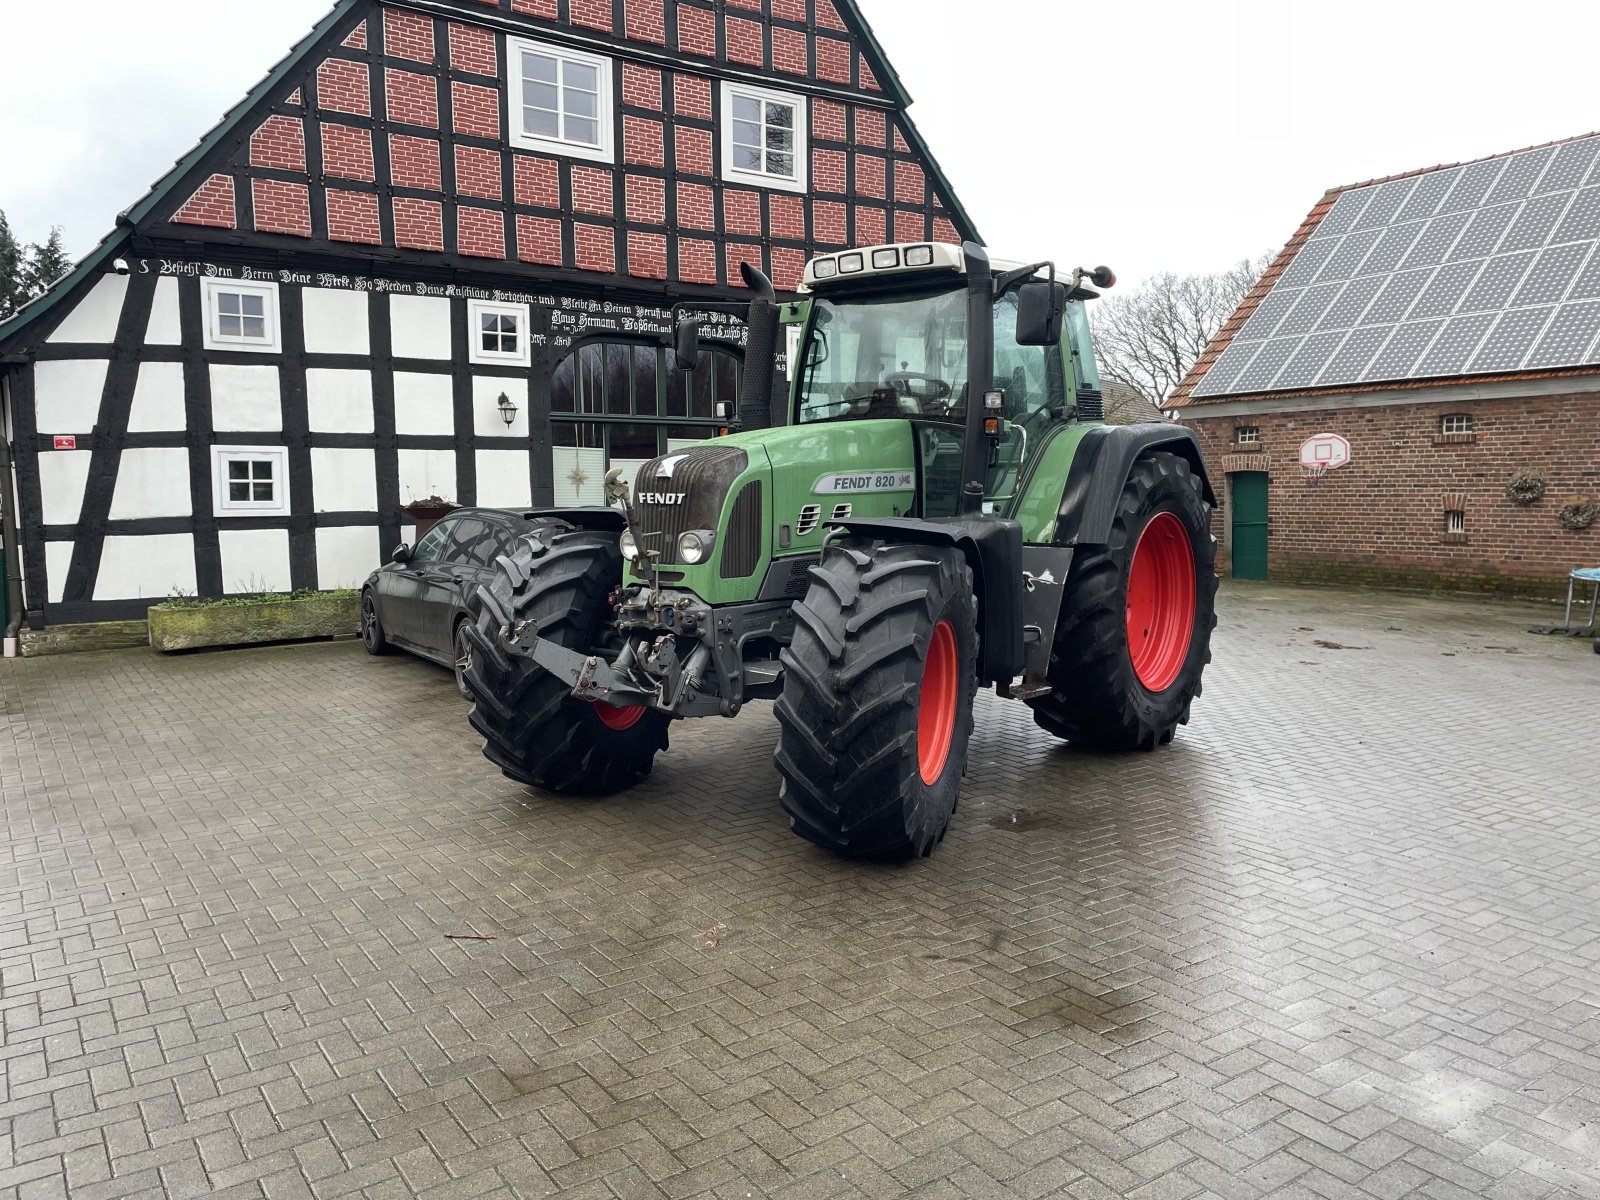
[(431, 547)]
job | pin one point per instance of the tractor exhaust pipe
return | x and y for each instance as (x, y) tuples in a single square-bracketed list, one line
[(760, 361)]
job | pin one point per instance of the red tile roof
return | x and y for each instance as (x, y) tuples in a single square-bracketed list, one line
[(1182, 395)]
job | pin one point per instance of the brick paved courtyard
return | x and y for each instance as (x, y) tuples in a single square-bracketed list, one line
[(1340, 939)]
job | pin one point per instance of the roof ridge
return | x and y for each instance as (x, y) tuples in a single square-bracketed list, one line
[(1466, 162)]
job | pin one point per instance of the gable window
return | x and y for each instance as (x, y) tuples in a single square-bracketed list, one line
[(1455, 423), (497, 333), (250, 481), (763, 137), (560, 100), (240, 316), (1248, 435)]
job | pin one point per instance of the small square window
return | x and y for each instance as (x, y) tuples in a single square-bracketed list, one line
[(250, 480), (763, 137), (1455, 521), (1455, 423), (1247, 435), (498, 333), (240, 315), (559, 100)]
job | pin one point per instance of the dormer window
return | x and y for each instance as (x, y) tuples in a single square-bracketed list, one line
[(763, 137), (560, 100)]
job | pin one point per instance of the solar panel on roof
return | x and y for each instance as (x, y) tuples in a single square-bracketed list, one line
[(1492, 266), (1574, 330)]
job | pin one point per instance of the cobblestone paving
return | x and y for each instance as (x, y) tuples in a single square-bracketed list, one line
[(1339, 940)]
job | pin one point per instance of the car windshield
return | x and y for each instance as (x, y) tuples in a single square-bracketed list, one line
[(894, 357)]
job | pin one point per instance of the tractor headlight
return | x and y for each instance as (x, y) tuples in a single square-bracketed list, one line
[(629, 547), (695, 546)]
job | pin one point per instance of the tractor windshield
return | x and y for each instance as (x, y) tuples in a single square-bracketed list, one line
[(890, 357)]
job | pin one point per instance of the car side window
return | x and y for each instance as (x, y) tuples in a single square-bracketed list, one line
[(431, 547), (475, 543)]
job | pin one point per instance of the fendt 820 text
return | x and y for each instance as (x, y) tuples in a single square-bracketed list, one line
[(938, 507)]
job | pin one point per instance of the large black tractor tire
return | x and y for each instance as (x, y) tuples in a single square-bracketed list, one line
[(1136, 617), (560, 578), (876, 710)]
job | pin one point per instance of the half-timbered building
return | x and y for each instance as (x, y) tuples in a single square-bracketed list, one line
[(433, 254)]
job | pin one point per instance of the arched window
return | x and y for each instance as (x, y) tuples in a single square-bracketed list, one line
[(623, 403)]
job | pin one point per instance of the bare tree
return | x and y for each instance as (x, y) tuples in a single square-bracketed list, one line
[(1151, 336)]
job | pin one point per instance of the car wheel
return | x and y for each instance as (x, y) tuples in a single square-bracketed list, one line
[(461, 648), (371, 627)]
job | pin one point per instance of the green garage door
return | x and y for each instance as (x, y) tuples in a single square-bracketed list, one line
[(1250, 525)]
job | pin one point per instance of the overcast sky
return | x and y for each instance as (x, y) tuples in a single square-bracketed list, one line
[(1149, 136)]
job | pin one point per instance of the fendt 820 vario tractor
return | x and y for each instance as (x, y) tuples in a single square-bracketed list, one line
[(938, 508)]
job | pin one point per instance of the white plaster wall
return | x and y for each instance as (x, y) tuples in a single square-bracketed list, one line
[(245, 398), (339, 401), (343, 480), (503, 478), (346, 556), (67, 394), (486, 418), (94, 318), (57, 562), (62, 474), (150, 565), (423, 403), (158, 399), (164, 329), (419, 326), (152, 482), (254, 560), (425, 473), (336, 322)]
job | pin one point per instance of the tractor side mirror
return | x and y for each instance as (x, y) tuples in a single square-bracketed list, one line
[(686, 348), (401, 554), (1040, 303)]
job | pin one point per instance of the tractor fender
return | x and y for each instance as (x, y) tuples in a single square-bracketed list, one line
[(993, 548), (1100, 468), (599, 520)]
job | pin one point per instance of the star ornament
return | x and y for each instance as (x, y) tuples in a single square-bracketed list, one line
[(577, 479)]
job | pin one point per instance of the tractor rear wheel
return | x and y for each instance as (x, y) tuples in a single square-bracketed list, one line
[(876, 710), (560, 578), (1136, 617)]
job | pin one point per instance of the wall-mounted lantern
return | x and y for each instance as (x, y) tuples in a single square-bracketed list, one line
[(508, 410)]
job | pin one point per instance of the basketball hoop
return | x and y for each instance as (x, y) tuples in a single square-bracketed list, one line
[(1314, 472), (1320, 453)]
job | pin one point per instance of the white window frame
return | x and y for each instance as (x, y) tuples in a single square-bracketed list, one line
[(476, 309), (212, 287), (1462, 424), (802, 123), (1248, 435), (221, 456), (605, 111)]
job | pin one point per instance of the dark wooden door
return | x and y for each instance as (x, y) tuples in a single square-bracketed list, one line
[(1250, 525)]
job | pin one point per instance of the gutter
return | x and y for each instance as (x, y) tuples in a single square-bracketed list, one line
[(8, 530)]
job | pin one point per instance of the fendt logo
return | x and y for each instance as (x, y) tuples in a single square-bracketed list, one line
[(662, 497)]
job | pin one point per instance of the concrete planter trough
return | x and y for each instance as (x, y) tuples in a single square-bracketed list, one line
[(278, 620)]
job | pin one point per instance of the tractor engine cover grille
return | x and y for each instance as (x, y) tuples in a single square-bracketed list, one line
[(688, 495), (743, 549)]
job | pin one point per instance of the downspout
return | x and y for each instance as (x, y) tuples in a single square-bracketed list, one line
[(8, 527)]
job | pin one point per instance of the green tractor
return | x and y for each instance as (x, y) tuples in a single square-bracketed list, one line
[(939, 508)]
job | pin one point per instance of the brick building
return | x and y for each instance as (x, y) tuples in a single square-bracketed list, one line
[(1446, 324), (434, 253)]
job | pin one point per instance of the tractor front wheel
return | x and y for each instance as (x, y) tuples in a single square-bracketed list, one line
[(1136, 617), (876, 710), (560, 579)]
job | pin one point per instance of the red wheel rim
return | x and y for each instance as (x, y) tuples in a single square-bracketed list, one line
[(617, 716), (936, 712), (1160, 602)]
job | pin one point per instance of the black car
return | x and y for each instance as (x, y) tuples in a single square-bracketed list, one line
[(421, 600)]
